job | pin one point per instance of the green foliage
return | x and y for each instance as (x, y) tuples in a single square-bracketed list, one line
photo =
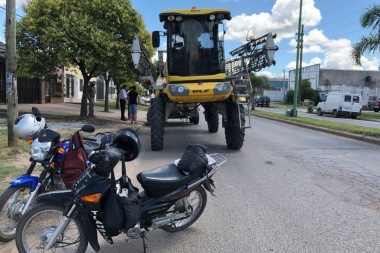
[(307, 92), (93, 35), (371, 43), (259, 81), (289, 97)]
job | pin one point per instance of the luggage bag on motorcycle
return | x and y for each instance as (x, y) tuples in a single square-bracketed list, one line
[(74, 161), (121, 211)]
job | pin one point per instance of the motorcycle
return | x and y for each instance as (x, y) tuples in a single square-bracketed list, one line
[(172, 200), (310, 109), (48, 151)]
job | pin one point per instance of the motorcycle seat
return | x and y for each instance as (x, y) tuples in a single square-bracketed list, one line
[(165, 179)]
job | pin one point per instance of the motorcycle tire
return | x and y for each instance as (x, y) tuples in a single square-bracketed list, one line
[(11, 203), (40, 222), (197, 200)]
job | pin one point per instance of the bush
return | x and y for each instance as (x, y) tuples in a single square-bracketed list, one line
[(289, 97)]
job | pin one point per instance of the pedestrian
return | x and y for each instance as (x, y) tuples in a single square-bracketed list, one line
[(133, 98), (123, 101), (129, 114), (151, 96), (91, 99)]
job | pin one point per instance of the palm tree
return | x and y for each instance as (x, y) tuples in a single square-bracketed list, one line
[(370, 43)]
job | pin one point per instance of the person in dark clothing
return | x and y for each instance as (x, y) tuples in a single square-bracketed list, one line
[(133, 98), (123, 101)]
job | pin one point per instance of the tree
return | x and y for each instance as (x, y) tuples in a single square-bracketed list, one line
[(257, 82), (306, 91), (93, 35), (370, 43)]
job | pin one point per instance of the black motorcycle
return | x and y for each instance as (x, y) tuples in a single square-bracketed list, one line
[(174, 197), (47, 150)]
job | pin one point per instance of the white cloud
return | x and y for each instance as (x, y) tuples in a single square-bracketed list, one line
[(282, 20)]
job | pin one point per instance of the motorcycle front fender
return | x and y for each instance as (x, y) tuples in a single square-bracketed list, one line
[(26, 181), (92, 235), (55, 197)]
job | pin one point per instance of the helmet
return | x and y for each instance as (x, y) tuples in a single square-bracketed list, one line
[(27, 126), (127, 140)]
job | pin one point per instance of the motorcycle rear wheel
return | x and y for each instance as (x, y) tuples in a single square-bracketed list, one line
[(11, 203), (197, 200), (40, 222)]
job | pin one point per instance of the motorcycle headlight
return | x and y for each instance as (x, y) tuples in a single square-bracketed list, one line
[(39, 150)]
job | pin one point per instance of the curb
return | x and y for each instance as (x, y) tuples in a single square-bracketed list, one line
[(364, 138)]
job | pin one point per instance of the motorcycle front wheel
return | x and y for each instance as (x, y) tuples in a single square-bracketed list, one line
[(12, 201), (197, 200), (38, 224)]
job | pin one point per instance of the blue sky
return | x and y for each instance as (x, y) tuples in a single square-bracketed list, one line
[(330, 27)]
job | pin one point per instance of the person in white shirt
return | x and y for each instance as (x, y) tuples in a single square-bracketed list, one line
[(151, 96), (123, 101)]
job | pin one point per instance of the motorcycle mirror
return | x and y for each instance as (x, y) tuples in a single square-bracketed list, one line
[(36, 113), (88, 128), (103, 142)]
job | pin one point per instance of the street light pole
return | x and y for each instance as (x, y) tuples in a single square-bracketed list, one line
[(10, 69), (297, 61)]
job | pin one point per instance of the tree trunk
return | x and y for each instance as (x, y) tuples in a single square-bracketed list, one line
[(106, 106), (83, 105)]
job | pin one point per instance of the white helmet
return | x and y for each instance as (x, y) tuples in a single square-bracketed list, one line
[(27, 126)]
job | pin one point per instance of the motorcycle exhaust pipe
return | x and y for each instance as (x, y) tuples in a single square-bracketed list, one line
[(166, 220)]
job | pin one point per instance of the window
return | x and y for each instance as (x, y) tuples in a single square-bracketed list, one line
[(347, 98), (324, 98), (356, 99), (80, 84)]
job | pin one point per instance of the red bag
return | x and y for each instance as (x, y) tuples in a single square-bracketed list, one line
[(74, 161)]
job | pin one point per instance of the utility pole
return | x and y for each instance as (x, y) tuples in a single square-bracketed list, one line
[(10, 69), (300, 69), (284, 88), (294, 114)]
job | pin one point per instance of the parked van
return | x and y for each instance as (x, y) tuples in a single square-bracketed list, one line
[(340, 104)]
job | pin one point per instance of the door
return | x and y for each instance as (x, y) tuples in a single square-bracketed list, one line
[(322, 103), (356, 104), (347, 104)]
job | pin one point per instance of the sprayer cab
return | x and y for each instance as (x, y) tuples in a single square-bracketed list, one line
[(194, 40)]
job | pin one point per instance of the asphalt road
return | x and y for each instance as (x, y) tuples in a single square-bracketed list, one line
[(289, 189)]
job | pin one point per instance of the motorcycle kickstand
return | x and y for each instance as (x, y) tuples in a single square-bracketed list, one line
[(145, 245)]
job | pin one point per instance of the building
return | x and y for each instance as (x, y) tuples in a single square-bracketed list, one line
[(363, 82), (64, 85), (279, 86)]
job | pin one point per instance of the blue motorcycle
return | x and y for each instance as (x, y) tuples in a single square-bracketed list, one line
[(48, 150)]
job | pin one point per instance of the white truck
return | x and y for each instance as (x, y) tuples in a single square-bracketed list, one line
[(340, 104)]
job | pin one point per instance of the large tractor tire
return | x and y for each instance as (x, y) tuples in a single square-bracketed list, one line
[(148, 116), (233, 132), (212, 117), (157, 122)]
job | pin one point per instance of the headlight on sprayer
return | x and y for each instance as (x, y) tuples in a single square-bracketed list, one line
[(222, 88), (178, 90), (39, 150)]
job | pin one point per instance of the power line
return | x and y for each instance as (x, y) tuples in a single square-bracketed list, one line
[(6, 9)]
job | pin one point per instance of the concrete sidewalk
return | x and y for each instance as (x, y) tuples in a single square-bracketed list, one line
[(73, 110)]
